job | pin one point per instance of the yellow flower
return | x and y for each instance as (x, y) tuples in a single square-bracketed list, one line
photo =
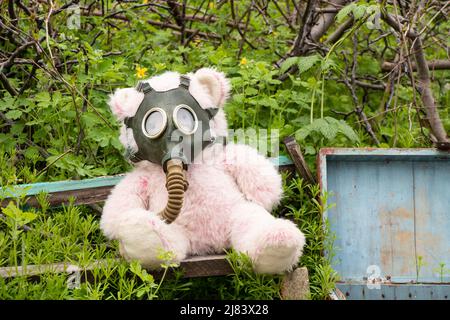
[(145, 1), (211, 5), (140, 72), (197, 41), (243, 62)]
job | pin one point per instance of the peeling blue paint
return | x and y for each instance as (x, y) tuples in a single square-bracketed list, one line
[(392, 206)]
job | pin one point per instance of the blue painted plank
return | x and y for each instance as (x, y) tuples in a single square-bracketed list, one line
[(391, 207), (58, 186), (281, 161), (421, 154), (70, 185), (370, 220), (359, 291), (432, 207)]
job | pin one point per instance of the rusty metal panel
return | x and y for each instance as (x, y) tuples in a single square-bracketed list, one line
[(391, 214)]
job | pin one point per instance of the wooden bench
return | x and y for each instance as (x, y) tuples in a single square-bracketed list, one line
[(295, 285)]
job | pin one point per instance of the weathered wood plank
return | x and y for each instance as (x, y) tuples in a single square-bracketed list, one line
[(81, 196), (432, 219), (299, 161), (60, 186), (86, 191), (206, 266), (37, 270), (374, 224), (199, 266)]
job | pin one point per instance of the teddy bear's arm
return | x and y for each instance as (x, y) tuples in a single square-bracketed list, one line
[(129, 196), (141, 233), (255, 175)]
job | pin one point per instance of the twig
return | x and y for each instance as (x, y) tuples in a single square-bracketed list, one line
[(47, 37), (4, 80), (159, 24), (432, 65), (299, 48), (28, 142), (288, 21), (336, 35), (326, 20), (237, 23), (50, 164), (244, 39), (11, 12), (34, 67), (13, 55), (351, 86)]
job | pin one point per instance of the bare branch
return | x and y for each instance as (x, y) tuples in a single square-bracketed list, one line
[(286, 18), (336, 35), (4, 80), (432, 65), (351, 86), (311, 31), (16, 52), (326, 20), (423, 74), (159, 24)]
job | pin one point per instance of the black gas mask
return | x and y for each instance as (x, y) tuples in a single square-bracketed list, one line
[(170, 125)]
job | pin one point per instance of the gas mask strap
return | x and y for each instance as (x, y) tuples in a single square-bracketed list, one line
[(144, 87), (184, 82), (135, 157), (212, 112), (127, 122), (141, 87)]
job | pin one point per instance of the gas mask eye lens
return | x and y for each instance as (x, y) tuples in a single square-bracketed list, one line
[(185, 119), (155, 122)]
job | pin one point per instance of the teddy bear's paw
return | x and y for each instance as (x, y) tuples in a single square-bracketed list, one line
[(141, 238), (279, 249)]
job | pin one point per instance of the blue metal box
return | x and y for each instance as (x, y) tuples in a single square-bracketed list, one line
[(391, 221)]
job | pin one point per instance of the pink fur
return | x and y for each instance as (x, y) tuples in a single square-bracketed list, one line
[(125, 102), (228, 202)]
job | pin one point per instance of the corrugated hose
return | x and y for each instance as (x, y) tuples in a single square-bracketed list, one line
[(176, 185)]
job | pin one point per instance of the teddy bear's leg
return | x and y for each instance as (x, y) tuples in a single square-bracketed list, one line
[(274, 245), (144, 237)]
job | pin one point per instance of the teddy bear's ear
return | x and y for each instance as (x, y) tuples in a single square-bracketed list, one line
[(215, 83), (125, 102)]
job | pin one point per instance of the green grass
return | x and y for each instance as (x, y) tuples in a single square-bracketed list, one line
[(72, 234)]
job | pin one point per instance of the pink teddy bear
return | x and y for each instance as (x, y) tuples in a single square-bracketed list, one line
[(226, 205)]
